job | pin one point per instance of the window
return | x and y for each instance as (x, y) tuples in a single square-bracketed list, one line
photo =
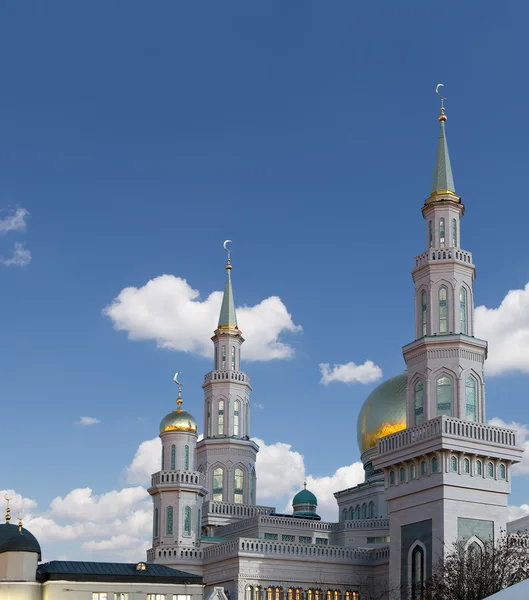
[(453, 464), (441, 232), (169, 520), (412, 472), (236, 417), (351, 595), (402, 475), (474, 550), (479, 467), (220, 422), (358, 512), (490, 470), (186, 457), (156, 522), (417, 572), (270, 536), (463, 310), (121, 596), (299, 591), (344, 514), (288, 538), (418, 394), (252, 486), (187, 520), (99, 595), (466, 465), (233, 358), (364, 511), (444, 395), (223, 359), (238, 486), (423, 467), (156, 596), (181, 596), (371, 510), (430, 235), (443, 310), (424, 316), (163, 459), (290, 594), (502, 471), (209, 419), (310, 595), (352, 513), (434, 464), (218, 476), (470, 398), (216, 358), (305, 539), (257, 592), (383, 539), (322, 541), (454, 233), (199, 522), (173, 456), (392, 478)]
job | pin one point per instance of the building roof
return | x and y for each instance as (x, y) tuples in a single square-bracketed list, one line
[(304, 497), (13, 540), (228, 318), (520, 591), (112, 572), (443, 180)]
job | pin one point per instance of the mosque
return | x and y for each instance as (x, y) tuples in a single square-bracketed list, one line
[(435, 471)]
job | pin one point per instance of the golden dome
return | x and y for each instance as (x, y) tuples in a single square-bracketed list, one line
[(383, 412), (178, 420)]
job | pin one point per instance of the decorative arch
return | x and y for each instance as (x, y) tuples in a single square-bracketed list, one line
[(442, 299), (371, 509), (351, 513), (221, 409), (453, 464), (474, 540), (442, 232), (444, 393), (417, 568), (471, 397), (238, 485), (217, 483), (364, 511), (502, 471), (237, 417), (418, 400), (358, 512)]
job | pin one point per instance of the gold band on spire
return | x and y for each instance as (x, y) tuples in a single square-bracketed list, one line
[(8, 510)]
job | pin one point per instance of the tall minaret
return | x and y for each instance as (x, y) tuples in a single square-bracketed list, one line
[(177, 492), (447, 476), (226, 455)]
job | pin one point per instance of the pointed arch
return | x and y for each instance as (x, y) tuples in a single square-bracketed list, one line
[(352, 513), (444, 384), (238, 485), (463, 310), (371, 510), (417, 568), (221, 406), (454, 233), (442, 232), (418, 402), (218, 484), (471, 397), (442, 297), (236, 417)]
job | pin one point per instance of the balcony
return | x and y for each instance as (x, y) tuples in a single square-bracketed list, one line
[(177, 476), (440, 255), (226, 376)]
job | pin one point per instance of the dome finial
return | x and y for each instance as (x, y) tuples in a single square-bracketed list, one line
[(228, 263), (179, 400), (8, 510), (304, 485), (19, 523), (442, 116)]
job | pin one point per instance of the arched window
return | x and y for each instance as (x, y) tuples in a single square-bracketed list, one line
[(317, 594), (454, 233), (502, 471), (418, 395), (430, 235), (257, 592), (402, 475), (466, 465), (252, 486), (441, 232), (186, 457), (392, 478), (218, 476), (220, 422), (352, 513), (173, 456), (238, 488), (216, 359), (463, 310), (209, 419), (236, 417), (336, 595), (417, 572), (424, 313), (479, 467), (187, 520), (412, 472), (364, 511), (470, 398), (249, 592), (358, 512), (328, 595), (443, 309), (223, 359), (434, 464), (299, 591), (169, 520), (474, 551), (344, 514), (233, 358), (270, 593), (444, 395), (199, 522), (310, 595), (163, 458), (490, 470), (453, 464), (290, 595), (371, 510), (423, 467), (156, 522)]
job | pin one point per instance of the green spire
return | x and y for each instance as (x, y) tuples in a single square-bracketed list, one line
[(228, 318), (443, 180)]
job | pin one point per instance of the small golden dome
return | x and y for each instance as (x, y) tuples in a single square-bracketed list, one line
[(383, 412), (178, 420)]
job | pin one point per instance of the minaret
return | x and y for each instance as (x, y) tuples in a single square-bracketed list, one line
[(226, 455), (177, 492), (447, 476)]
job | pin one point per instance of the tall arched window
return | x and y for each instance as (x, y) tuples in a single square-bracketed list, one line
[(424, 315), (257, 592), (216, 359), (186, 457), (479, 467), (466, 465), (444, 395), (344, 514), (252, 486), (199, 522), (453, 464), (502, 471), (417, 572), (402, 475), (299, 591), (249, 592), (233, 358), (173, 456), (423, 467), (169, 520), (463, 310), (364, 511), (443, 309), (358, 512), (490, 470), (371, 510), (187, 520), (236, 417), (413, 472), (208, 427), (434, 464), (454, 233), (392, 478), (223, 358), (163, 458), (156, 522), (238, 491), (470, 398), (418, 397), (290, 594), (218, 477), (430, 235), (441, 232), (220, 418), (352, 513)]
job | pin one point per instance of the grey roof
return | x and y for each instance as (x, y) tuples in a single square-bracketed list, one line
[(13, 540), (228, 318), (443, 180), (102, 571)]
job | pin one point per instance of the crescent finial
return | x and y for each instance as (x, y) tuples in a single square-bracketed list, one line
[(175, 378), (437, 90), (225, 245)]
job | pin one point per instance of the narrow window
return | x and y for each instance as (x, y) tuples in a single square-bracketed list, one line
[(479, 467), (233, 358), (453, 464), (392, 478), (444, 395), (186, 457), (238, 486), (352, 513), (216, 358), (454, 233), (169, 520), (417, 572), (423, 467), (418, 394), (252, 487), (502, 471), (187, 520), (434, 465), (220, 422), (441, 232), (490, 470), (371, 510), (466, 465), (249, 593), (364, 511), (223, 360), (358, 512), (424, 316), (463, 310), (199, 522), (236, 417), (443, 310), (412, 472), (402, 475), (218, 476), (156, 522), (209, 419), (163, 459), (470, 398), (344, 514), (173, 457), (430, 235), (290, 595)]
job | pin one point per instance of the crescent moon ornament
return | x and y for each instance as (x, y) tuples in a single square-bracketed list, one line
[(225, 245), (437, 90), (175, 378)]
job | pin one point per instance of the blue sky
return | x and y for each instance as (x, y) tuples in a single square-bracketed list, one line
[(139, 136)]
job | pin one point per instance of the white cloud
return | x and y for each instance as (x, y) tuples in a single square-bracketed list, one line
[(350, 373), (20, 258), (515, 512), (258, 405), (146, 461), (88, 421), (506, 328), (14, 221), (522, 433), (166, 309), (18, 504)]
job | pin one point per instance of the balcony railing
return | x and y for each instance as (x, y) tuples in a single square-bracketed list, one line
[(226, 375), (236, 510), (177, 476), (443, 255)]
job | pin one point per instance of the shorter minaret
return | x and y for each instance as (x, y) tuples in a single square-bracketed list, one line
[(177, 492)]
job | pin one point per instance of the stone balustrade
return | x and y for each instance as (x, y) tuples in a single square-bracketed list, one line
[(226, 375), (274, 521), (236, 510), (363, 524), (190, 554), (177, 476), (443, 254)]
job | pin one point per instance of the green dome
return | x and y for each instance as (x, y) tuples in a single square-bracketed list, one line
[(178, 420), (383, 412), (305, 497)]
